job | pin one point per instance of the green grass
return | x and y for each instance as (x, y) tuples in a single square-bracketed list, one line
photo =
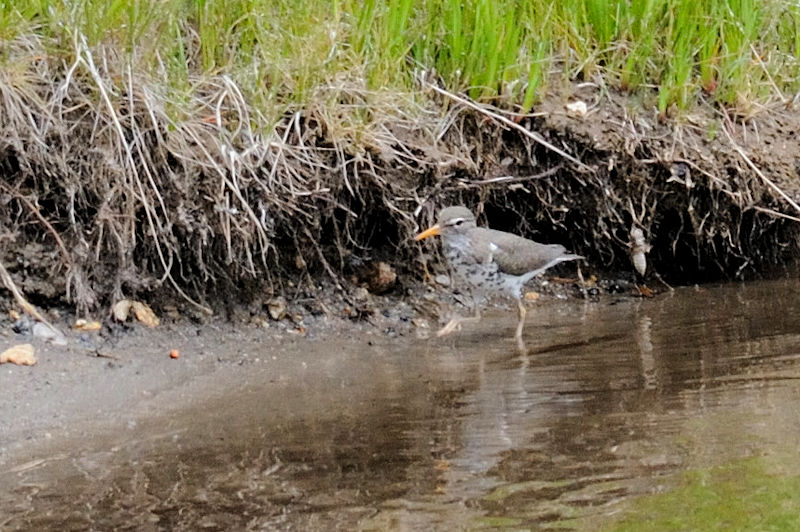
[(742, 496), (673, 52)]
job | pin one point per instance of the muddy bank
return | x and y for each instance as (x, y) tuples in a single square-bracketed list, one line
[(164, 215), (257, 430), (119, 374), (125, 370)]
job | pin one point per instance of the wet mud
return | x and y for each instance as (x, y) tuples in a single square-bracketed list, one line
[(616, 400)]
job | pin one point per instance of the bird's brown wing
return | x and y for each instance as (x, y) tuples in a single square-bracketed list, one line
[(512, 253)]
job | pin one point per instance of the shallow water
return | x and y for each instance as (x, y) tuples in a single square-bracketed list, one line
[(615, 401)]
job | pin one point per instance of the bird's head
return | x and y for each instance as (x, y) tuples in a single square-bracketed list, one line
[(452, 221)]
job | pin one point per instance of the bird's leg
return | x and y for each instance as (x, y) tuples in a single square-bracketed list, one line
[(522, 312), (581, 282)]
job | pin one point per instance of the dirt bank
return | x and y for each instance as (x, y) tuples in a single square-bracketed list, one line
[(89, 220)]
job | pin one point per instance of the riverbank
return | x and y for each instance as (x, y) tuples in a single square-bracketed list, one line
[(122, 371), (184, 157)]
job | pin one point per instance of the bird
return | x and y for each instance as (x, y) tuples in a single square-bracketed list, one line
[(490, 262)]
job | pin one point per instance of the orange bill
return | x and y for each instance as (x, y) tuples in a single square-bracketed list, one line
[(431, 231)]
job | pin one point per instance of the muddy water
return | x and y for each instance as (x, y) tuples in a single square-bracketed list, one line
[(615, 401)]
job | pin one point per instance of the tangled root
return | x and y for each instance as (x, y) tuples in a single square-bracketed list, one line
[(121, 190)]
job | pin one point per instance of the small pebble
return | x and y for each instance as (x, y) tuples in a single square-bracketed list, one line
[(277, 308)]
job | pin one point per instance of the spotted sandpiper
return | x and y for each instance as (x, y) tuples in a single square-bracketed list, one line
[(491, 262)]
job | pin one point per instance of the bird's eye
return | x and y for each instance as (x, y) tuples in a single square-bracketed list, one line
[(459, 221)]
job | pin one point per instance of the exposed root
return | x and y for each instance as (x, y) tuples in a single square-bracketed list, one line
[(137, 184), (65, 255), (764, 178), (8, 282)]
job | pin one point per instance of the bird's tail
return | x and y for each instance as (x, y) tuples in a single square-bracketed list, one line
[(558, 260)]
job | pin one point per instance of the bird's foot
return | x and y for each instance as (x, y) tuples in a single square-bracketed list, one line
[(451, 327), (455, 324)]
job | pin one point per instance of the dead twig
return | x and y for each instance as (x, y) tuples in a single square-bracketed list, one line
[(759, 173), (513, 125), (776, 214), (29, 204), (20, 299), (516, 179)]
